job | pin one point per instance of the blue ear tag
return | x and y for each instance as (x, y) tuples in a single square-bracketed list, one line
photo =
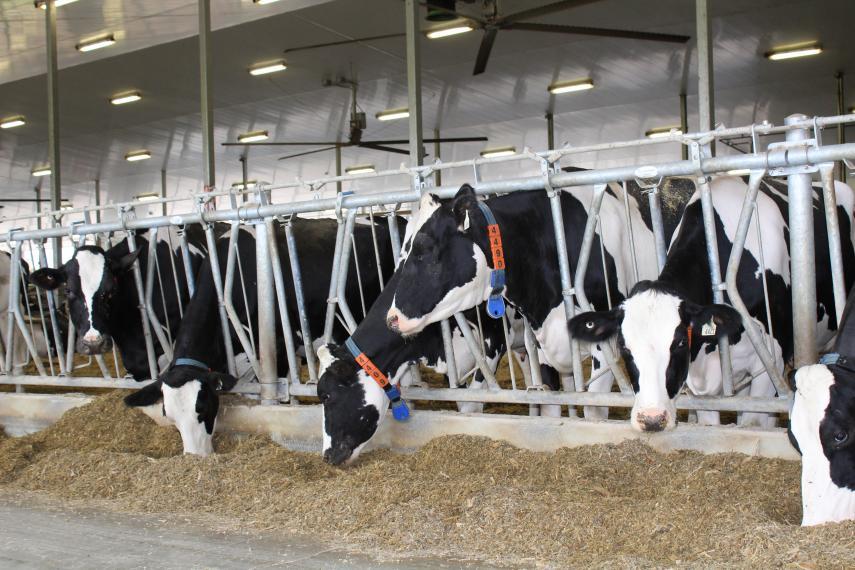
[(496, 306)]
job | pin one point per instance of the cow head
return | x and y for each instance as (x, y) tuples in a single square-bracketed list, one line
[(822, 425), (353, 405), (445, 269), (90, 280), (191, 400), (652, 327)]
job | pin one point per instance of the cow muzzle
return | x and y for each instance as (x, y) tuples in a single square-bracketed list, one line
[(402, 325), (337, 454), (651, 421), (91, 344)]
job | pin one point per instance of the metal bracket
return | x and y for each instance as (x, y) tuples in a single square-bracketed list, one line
[(791, 147)]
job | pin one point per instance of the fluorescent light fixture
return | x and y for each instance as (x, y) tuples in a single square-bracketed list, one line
[(65, 205), (437, 33), (663, 132), (125, 97), (570, 86), (249, 184), (147, 197), (739, 172), (12, 122), (361, 169), (267, 67), (41, 170), (96, 43), (392, 114), (43, 3), (137, 155), (790, 52), (253, 136), (263, 2), (495, 152)]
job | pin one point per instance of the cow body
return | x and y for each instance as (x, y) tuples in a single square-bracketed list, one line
[(199, 355), (822, 426), (20, 355), (667, 329)]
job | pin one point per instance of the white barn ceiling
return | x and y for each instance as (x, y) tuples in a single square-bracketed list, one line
[(637, 84)]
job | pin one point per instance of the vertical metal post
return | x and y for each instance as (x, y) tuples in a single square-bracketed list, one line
[(338, 169), (550, 131), (38, 190), (706, 89), (658, 227), (450, 357), (53, 122), (149, 341), (282, 302), (97, 201), (297, 277), (208, 169), (684, 123), (841, 110), (266, 317), (414, 81), (163, 189), (217, 277), (835, 251), (802, 269), (436, 156)]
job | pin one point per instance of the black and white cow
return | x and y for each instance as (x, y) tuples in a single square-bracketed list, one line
[(102, 297), (448, 268), (190, 386), (822, 427), (667, 329), (354, 405)]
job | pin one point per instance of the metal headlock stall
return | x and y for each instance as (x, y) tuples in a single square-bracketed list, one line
[(400, 411), (496, 303)]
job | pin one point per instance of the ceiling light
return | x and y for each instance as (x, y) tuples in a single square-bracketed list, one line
[(12, 122), (362, 169), (392, 114), (125, 97), (253, 136), (452, 31), (495, 152), (570, 86), (96, 43), (739, 172), (43, 3), (41, 170), (790, 52), (267, 67), (263, 2), (663, 132), (249, 184), (147, 197), (137, 155)]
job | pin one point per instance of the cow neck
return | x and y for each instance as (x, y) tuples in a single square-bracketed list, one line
[(200, 336), (686, 268), (387, 349)]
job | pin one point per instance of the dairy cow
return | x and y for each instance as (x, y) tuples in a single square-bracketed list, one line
[(449, 265), (102, 298), (354, 405), (822, 427), (197, 374), (667, 329)]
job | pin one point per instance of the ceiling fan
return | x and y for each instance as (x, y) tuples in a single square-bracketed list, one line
[(358, 124), (491, 22)]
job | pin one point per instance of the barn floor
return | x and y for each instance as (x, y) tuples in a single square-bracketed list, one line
[(457, 498)]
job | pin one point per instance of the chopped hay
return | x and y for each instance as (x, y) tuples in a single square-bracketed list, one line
[(463, 497)]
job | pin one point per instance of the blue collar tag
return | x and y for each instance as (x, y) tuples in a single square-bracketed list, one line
[(192, 362), (833, 358), (400, 411)]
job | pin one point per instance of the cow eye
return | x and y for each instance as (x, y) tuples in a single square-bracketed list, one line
[(840, 437), (682, 343)]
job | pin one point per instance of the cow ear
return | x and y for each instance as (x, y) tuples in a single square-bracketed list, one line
[(146, 396), (221, 382), (713, 322), (325, 357), (595, 326), (464, 206), (125, 262), (48, 278)]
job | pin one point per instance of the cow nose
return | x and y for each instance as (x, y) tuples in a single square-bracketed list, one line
[(392, 322), (94, 344), (652, 421), (336, 455)]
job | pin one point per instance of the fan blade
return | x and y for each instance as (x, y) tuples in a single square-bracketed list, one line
[(544, 10), (602, 32), (383, 148), (343, 42), (298, 143), (484, 50), (447, 139), (306, 153)]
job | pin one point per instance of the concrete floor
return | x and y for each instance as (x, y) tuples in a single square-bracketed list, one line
[(40, 534)]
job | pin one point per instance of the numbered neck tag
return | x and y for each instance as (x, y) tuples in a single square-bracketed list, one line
[(495, 303), (400, 411)]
